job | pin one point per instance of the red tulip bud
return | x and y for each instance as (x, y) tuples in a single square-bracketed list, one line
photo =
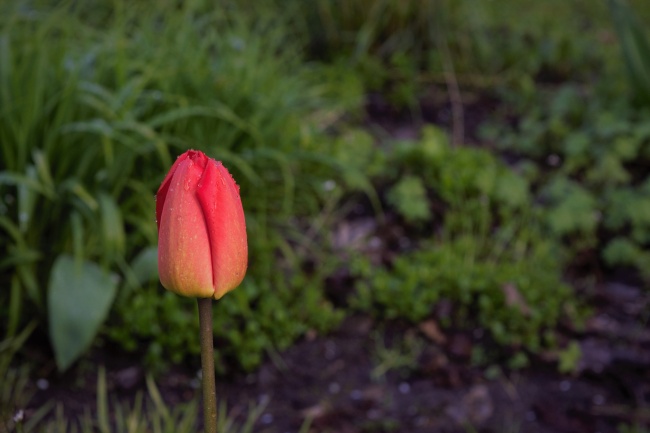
[(202, 249)]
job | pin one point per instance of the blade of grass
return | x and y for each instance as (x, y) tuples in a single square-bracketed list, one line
[(102, 402), (636, 48)]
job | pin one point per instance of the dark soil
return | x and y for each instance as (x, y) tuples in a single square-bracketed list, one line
[(342, 383)]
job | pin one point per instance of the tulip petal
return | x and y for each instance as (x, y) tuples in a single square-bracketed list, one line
[(219, 197), (184, 258), (161, 195)]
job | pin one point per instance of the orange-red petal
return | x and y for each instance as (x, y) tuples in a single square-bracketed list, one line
[(161, 195), (219, 197), (184, 257)]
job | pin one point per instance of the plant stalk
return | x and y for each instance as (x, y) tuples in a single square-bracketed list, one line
[(207, 366)]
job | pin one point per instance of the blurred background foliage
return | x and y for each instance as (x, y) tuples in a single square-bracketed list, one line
[(97, 98)]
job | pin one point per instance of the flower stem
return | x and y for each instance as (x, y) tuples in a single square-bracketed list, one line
[(207, 365)]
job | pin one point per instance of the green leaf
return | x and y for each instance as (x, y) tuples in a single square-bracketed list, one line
[(512, 190), (7, 178), (79, 297), (621, 252), (569, 358), (435, 143), (410, 199), (145, 265), (573, 210)]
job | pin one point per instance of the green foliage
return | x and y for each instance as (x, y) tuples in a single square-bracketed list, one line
[(376, 27), (636, 48), (622, 251), (97, 100), (80, 295), (493, 257), (401, 357), (629, 428), (591, 151), (630, 207), (409, 197), (247, 325), (569, 358), (572, 208), (166, 320), (399, 48), (14, 392), (474, 276)]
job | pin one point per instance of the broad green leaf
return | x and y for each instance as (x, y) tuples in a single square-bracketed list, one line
[(80, 295)]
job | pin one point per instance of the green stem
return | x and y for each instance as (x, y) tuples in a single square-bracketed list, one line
[(207, 365)]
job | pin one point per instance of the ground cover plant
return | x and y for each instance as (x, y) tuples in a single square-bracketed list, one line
[(456, 192), (491, 234)]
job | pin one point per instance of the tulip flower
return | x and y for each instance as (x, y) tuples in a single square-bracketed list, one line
[(202, 249)]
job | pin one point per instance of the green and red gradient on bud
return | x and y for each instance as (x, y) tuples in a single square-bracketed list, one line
[(202, 247)]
